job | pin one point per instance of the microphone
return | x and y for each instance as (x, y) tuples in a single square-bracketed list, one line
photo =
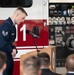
[(34, 35)]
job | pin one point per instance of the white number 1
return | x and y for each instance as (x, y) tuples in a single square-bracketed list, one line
[(23, 29)]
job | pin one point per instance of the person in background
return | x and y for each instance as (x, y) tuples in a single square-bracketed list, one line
[(31, 66), (2, 62), (45, 62), (8, 35), (70, 65)]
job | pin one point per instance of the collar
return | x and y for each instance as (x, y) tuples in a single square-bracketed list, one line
[(12, 20), (44, 68), (70, 72)]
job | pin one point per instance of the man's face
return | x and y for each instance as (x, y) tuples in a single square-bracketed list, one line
[(20, 18)]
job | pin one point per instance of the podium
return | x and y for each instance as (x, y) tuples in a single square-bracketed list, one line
[(51, 50)]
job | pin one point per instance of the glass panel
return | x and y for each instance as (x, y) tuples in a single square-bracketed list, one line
[(15, 3)]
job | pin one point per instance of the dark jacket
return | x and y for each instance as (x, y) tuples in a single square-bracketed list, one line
[(48, 72), (70, 74), (7, 36)]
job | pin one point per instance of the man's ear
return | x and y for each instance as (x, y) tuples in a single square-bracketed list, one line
[(40, 72), (4, 66), (49, 63), (21, 69), (65, 65), (17, 14)]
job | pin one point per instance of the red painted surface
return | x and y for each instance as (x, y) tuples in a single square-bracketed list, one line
[(29, 39), (42, 41), (16, 68)]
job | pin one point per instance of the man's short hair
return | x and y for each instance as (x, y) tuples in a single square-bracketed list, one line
[(44, 58), (70, 63), (21, 9), (2, 59), (32, 63)]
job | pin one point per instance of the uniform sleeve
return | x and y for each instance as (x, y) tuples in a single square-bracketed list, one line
[(4, 31), (12, 35), (4, 34), (2, 41)]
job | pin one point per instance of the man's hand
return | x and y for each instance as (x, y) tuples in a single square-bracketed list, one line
[(13, 53)]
